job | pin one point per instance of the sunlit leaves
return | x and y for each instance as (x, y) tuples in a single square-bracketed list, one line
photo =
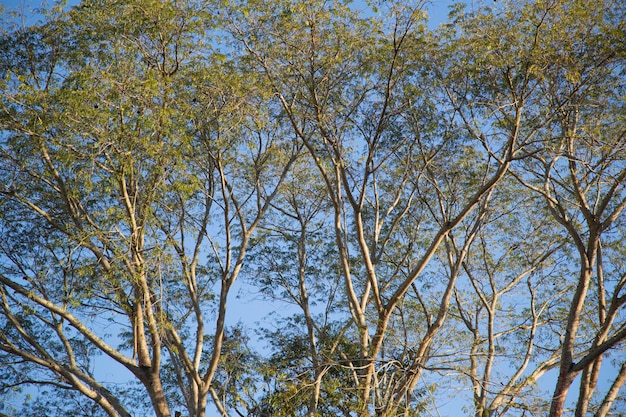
[(415, 203)]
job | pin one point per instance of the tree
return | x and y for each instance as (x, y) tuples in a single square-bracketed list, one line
[(419, 205), (579, 172), (128, 159), (388, 147), (571, 113)]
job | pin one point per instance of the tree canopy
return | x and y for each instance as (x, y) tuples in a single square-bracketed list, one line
[(435, 215)]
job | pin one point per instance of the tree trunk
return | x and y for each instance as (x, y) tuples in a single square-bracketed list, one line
[(152, 381), (566, 373)]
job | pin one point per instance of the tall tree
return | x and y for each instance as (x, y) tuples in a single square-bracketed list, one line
[(389, 146), (564, 61), (135, 168)]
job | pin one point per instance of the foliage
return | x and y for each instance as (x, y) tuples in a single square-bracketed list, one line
[(417, 205)]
